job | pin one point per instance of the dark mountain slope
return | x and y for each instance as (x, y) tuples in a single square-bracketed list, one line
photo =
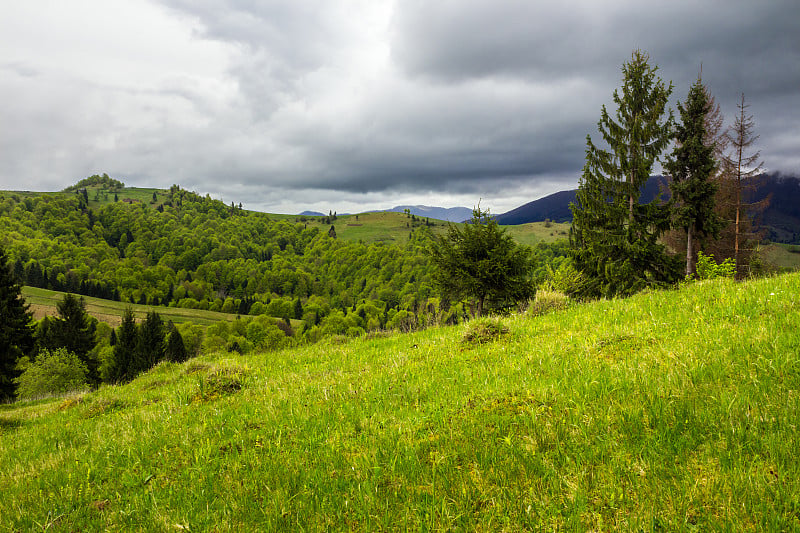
[(556, 206), (780, 220)]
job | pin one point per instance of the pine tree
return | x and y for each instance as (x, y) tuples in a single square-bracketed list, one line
[(74, 330), (692, 167), (16, 331), (614, 239)]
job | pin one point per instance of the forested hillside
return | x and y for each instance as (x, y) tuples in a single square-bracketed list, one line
[(174, 247)]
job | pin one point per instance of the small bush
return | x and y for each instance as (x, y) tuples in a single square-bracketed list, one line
[(71, 401), (707, 268), (566, 279), (548, 301), (102, 407), (484, 330), (55, 372), (759, 266), (219, 383)]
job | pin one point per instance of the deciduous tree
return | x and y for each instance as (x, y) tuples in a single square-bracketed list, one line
[(52, 373)]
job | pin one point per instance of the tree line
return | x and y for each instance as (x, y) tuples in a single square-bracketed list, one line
[(622, 246)]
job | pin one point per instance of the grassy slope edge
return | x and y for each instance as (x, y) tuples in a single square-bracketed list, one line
[(43, 302), (669, 410)]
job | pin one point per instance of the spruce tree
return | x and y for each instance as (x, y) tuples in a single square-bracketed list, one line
[(176, 349), (692, 167), (150, 345), (614, 239), (122, 367), (482, 262), (74, 330), (16, 331)]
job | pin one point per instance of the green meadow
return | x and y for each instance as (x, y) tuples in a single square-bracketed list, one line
[(390, 227), (783, 255), (667, 411), (43, 302), (100, 195)]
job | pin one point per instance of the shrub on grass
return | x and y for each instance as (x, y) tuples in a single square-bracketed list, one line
[(548, 301), (707, 268), (484, 330), (53, 372), (565, 279), (218, 383)]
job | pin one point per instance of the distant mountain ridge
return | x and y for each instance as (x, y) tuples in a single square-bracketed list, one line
[(450, 214), (555, 207), (781, 219)]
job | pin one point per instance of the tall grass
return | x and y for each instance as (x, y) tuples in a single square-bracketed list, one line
[(667, 411)]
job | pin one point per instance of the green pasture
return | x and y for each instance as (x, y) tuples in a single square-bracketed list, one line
[(395, 228), (667, 411), (783, 255), (43, 302)]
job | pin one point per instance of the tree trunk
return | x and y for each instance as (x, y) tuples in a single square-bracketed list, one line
[(736, 235), (689, 251), (630, 200)]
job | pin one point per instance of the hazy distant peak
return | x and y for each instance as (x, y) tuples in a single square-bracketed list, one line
[(451, 214)]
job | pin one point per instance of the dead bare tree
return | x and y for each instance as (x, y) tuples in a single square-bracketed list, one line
[(740, 169)]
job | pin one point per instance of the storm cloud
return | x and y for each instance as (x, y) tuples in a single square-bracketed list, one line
[(355, 105)]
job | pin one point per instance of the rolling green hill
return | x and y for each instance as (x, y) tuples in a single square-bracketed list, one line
[(391, 227), (673, 410), (174, 248)]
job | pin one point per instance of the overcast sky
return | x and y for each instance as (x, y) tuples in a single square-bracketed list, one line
[(352, 105)]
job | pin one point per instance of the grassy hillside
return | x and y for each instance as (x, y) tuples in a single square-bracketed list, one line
[(43, 302), (674, 410), (367, 227), (390, 227), (534, 232), (100, 196), (783, 255)]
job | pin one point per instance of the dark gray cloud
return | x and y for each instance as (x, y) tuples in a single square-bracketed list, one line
[(287, 105)]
